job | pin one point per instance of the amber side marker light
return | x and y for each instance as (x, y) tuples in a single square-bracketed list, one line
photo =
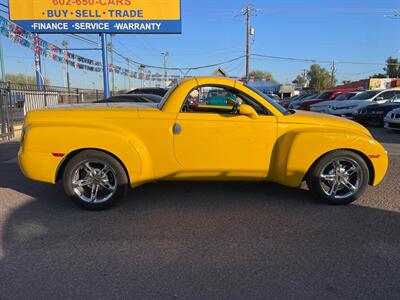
[(58, 154), (374, 155)]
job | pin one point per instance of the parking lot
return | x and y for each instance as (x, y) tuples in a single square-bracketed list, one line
[(191, 240)]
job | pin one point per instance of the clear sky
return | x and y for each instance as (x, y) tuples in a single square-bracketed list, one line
[(214, 31)]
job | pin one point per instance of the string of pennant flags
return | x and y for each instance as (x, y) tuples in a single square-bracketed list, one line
[(20, 36)]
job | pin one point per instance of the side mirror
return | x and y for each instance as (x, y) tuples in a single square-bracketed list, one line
[(380, 98), (247, 110)]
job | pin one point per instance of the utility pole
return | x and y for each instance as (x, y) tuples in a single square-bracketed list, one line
[(333, 72), (248, 11), (165, 55), (65, 45), (110, 49), (305, 77)]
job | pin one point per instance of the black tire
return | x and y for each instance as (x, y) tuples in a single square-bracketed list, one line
[(114, 186), (315, 182)]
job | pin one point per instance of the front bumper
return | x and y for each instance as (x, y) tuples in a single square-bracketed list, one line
[(392, 126), (369, 118)]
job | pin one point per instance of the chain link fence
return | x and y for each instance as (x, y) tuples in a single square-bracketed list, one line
[(6, 117)]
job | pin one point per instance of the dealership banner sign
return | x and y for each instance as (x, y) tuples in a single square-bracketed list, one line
[(97, 16)]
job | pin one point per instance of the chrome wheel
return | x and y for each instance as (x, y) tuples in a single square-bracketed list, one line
[(341, 178), (94, 181)]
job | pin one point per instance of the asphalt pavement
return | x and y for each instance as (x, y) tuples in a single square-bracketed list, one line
[(200, 240)]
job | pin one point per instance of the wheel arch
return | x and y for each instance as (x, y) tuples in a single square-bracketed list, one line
[(69, 156), (371, 169)]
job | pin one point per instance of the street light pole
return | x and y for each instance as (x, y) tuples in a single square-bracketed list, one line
[(106, 81), (110, 48), (129, 73), (247, 12), (65, 45), (38, 63), (2, 70), (165, 55)]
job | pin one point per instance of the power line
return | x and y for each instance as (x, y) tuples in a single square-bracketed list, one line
[(324, 61), (82, 39), (178, 68)]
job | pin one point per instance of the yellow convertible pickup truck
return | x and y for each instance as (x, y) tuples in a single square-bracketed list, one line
[(99, 150)]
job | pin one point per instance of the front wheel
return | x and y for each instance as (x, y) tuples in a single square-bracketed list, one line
[(94, 180), (339, 177)]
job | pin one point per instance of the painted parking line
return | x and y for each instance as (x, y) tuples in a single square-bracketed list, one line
[(392, 149), (11, 161)]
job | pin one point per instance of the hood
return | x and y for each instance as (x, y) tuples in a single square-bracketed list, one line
[(345, 103), (323, 103), (324, 120)]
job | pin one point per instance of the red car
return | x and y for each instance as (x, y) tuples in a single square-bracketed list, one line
[(325, 96)]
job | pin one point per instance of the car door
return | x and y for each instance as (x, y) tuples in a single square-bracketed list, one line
[(210, 141), (384, 97)]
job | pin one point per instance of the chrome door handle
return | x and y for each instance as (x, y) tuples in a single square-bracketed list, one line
[(177, 128)]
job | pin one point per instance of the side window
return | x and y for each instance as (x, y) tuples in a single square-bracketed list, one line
[(218, 99), (208, 99), (387, 95)]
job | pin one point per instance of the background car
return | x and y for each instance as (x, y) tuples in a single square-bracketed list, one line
[(346, 108), (297, 103), (392, 119), (375, 113), (324, 96), (323, 106), (135, 98), (150, 90), (274, 97), (218, 97)]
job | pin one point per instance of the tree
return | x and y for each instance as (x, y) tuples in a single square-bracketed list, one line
[(392, 68), (300, 80), (320, 78), (378, 75), (260, 75), (24, 79)]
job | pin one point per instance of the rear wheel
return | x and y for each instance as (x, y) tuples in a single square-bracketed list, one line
[(94, 180), (339, 177)]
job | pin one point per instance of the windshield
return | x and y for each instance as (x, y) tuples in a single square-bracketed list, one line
[(344, 96), (365, 95), (273, 103), (312, 96), (395, 99), (325, 96)]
